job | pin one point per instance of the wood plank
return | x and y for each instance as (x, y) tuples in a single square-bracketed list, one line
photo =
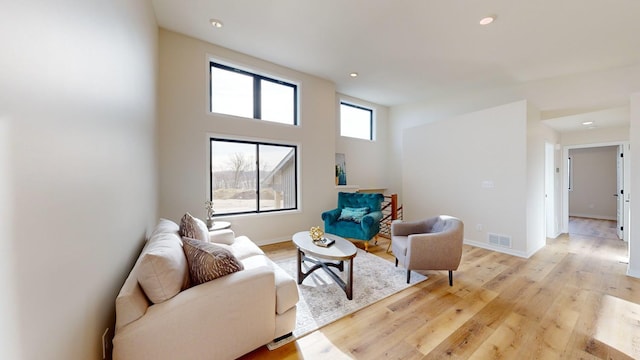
[(427, 337), (618, 326), (550, 338), (505, 341)]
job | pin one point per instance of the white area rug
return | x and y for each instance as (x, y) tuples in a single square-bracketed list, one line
[(322, 301)]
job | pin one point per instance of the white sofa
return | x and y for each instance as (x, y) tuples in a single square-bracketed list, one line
[(220, 319)]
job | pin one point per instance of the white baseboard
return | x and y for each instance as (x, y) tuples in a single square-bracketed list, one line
[(531, 252), (499, 249), (633, 272), (555, 235)]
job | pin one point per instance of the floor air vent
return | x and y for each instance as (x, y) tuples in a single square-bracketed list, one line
[(500, 240)]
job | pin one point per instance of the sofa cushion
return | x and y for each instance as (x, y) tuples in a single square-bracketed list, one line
[(131, 303), (243, 248), (163, 272), (165, 226), (226, 236), (193, 228), (208, 261)]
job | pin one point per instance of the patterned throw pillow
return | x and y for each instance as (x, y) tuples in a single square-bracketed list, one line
[(193, 228), (208, 261), (353, 214)]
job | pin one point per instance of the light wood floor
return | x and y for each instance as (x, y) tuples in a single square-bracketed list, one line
[(590, 227), (570, 300)]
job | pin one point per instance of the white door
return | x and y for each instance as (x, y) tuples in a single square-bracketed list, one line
[(620, 191)]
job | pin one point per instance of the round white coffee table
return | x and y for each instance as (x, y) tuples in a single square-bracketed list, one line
[(341, 250)]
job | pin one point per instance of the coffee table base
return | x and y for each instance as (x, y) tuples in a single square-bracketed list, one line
[(347, 287)]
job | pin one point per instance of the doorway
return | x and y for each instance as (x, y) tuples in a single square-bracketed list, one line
[(608, 203)]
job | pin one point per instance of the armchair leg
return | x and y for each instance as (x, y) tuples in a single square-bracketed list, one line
[(408, 276), (450, 278), (366, 246), (396, 262)]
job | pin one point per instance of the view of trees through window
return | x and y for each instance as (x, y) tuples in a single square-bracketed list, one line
[(252, 176)]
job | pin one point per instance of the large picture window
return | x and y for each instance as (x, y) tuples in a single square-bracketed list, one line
[(356, 121), (242, 93), (252, 177)]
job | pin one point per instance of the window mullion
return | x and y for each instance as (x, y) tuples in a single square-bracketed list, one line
[(257, 94), (295, 107), (258, 177), (371, 124)]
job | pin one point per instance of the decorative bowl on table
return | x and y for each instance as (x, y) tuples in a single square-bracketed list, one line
[(316, 233), (317, 236)]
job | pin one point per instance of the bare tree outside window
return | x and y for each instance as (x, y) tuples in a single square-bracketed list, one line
[(240, 164), (252, 176)]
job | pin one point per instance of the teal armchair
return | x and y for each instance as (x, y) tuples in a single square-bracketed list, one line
[(357, 216)]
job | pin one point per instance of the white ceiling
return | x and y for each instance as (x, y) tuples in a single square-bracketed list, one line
[(613, 117), (411, 50)]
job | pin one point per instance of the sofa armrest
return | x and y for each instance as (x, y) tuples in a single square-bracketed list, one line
[(228, 317), (371, 218), (331, 216), (226, 236)]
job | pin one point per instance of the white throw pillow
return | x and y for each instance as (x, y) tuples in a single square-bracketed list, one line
[(165, 226), (163, 270)]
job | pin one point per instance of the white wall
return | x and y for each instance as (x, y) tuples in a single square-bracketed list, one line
[(537, 135), (185, 123), (78, 188), (634, 242), (445, 164), (9, 337), (596, 136), (594, 182), (366, 160), (560, 96)]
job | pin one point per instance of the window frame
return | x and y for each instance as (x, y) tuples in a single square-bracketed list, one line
[(371, 119), (256, 143), (257, 90)]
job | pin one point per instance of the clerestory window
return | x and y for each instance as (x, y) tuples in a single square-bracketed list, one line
[(356, 121), (245, 94)]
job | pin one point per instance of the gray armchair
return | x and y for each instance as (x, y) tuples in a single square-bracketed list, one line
[(431, 244)]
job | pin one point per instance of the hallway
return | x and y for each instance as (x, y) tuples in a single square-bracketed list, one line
[(605, 229)]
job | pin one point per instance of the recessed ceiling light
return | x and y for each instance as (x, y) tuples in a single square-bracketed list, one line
[(353, 74), (587, 123), (216, 23), (487, 20)]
